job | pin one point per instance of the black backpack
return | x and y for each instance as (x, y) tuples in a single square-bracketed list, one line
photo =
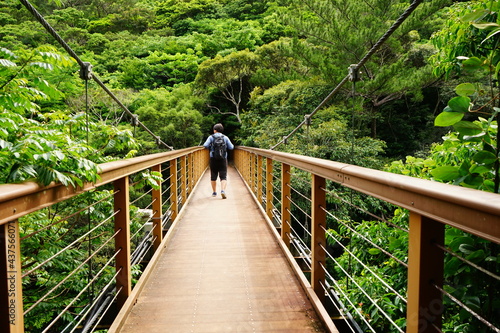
[(219, 147)]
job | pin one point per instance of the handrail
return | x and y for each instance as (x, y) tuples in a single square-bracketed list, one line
[(15, 198), (18, 200), (431, 206), (473, 211)]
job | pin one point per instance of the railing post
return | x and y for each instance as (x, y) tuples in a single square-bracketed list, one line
[(285, 204), (11, 292), (425, 267), (157, 211), (191, 172), (318, 227), (183, 179), (122, 240), (247, 166), (259, 179), (269, 188), (251, 171), (174, 207)]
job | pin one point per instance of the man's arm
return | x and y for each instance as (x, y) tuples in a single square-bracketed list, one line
[(229, 144), (208, 142)]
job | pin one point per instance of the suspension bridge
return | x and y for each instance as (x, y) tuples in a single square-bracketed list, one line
[(253, 262), (172, 258)]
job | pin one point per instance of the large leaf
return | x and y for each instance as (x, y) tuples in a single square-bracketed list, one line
[(485, 25), (480, 169), (468, 128), (465, 89), (484, 157), (475, 15), (445, 118), (445, 173), (491, 34), (472, 63), (7, 63), (459, 104)]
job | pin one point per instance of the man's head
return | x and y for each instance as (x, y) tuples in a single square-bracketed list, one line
[(219, 128)]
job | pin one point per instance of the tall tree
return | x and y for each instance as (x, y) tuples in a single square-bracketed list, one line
[(336, 34), (229, 76)]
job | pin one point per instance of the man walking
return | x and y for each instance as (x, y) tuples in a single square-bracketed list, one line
[(218, 144)]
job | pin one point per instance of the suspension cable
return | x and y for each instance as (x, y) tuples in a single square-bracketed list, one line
[(355, 67), (86, 65)]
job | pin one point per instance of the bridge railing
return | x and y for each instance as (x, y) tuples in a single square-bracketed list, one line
[(67, 255), (391, 280)]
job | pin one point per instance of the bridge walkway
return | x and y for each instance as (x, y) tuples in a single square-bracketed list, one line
[(222, 270)]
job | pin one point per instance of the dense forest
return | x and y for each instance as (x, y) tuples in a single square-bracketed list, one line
[(426, 103)]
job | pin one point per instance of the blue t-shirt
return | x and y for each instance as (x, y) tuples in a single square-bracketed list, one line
[(210, 139)]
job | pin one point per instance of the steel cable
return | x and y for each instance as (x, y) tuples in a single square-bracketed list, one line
[(366, 239), (479, 268), (141, 196), (362, 264), (339, 288), (340, 309), (70, 274), (374, 302), (379, 218), (107, 308), (82, 65), (356, 67), (64, 218), (82, 291), (466, 308), (69, 246), (297, 220)]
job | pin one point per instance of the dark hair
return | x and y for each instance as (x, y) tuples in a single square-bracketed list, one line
[(219, 128)]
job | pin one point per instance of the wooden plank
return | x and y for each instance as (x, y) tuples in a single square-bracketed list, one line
[(222, 271)]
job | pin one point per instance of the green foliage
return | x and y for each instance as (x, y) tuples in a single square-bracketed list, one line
[(474, 50), (388, 238), (160, 69), (171, 11), (47, 146), (229, 76), (174, 116)]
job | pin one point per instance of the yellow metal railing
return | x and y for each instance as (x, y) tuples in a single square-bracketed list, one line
[(181, 170), (432, 207)]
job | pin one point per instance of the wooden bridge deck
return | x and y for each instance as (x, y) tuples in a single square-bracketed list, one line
[(222, 271)]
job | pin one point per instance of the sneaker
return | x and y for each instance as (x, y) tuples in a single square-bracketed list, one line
[(223, 194), (214, 194)]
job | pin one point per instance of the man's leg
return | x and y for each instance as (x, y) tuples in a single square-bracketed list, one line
[(223, 176)]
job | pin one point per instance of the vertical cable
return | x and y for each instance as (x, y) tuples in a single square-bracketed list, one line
[(87, 110)]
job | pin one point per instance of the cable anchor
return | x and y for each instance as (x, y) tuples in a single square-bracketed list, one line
[(307, 119), (354, 74), (135, 120), (86, 71), (158, 140)]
